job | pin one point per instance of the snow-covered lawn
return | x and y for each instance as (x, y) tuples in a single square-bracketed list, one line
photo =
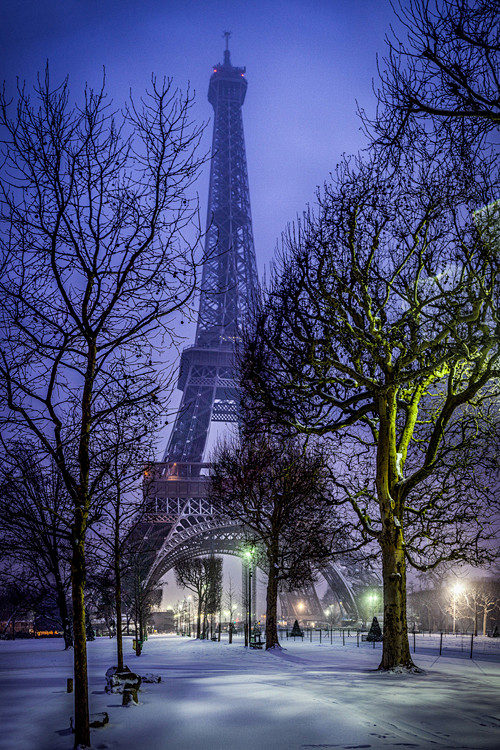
[(216, 696)]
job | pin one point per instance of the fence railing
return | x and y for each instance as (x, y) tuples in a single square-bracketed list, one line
[(464, 645), (440, 644)]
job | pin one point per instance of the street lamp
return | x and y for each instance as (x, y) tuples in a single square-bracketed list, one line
[(456, 589), (372, 601), (248, 554)]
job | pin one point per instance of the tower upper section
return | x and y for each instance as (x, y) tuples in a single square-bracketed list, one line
[(230, 273), (208, 376), (227, 83)]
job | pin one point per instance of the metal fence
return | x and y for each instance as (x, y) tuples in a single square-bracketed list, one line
[(464, 645)]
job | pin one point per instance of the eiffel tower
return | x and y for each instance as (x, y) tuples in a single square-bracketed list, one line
[(179, 522), (229, 283), (179, 513)]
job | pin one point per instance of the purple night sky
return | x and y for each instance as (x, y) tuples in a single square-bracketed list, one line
[(307, 61)]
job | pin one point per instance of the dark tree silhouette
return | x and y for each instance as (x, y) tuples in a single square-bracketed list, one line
[(202, 576), (35, 522), (279, 491), (442, 68), (115, 538), (380, 333), (375, 632), (99, 236)]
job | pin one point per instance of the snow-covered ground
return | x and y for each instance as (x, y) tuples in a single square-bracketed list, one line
[(216, 696)]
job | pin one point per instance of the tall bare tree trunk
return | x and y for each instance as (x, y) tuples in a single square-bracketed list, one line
[(118, 609), (137, 610), (396, 647), (82, 730), (272, 606), (62, 606), (198, 619)]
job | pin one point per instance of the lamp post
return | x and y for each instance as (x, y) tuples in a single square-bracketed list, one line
[(249, 555), (457, 589), (373, 600)]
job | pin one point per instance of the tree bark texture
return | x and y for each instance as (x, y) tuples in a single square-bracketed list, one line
[(198, 619), (396, 647), (62, 605), (82, 730), (272, 606), (118, 608)]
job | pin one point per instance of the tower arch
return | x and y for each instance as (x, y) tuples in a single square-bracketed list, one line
[(179, 522)]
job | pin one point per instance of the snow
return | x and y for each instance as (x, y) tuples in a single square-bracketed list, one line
[(215, 696)]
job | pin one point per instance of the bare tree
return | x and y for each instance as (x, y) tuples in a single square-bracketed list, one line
[(138, 592), (231, 604), (35, 519), (213, 596), (278, 490), (425, 606), (99, 235), (202, 576), (99, 592), (190, 574), (115, 537), (468, 602), (380, 333), (442, 67), (488, 600), (478, 600)]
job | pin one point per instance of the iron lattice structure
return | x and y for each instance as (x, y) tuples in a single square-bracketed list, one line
[(179, 522), (229, 282)]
